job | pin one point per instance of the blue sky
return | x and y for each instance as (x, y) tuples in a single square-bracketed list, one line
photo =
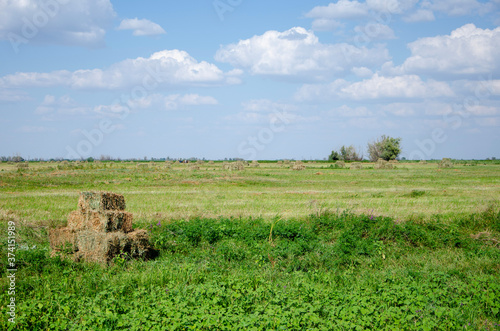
[(248, 79)]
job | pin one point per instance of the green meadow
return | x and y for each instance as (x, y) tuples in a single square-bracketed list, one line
[(266, 248)]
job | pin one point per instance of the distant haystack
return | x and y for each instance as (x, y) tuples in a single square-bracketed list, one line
[(298, 165), (445, 163), (383, 164), (340, 164), (255, 164), (22, 165), (423, 162), (356, 165), (237, 166)]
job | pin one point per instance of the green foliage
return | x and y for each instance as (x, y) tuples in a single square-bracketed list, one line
[(349, 154), (329, 271), (386, 148), (334, 156)]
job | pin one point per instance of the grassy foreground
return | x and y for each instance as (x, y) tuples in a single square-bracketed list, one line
[(395, 252)]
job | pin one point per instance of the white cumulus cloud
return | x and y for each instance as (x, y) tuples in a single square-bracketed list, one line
[(468, 50), (298, 53), (421, 15), (141, 27), (376, 87), (81, 23), (169, 68)]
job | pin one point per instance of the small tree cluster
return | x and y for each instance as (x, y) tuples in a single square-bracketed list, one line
[(347, 153), (385, 148)]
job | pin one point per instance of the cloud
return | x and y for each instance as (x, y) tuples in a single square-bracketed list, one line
[(343, 9), (328, 17), (172, 102), (375, 31), (165, 69), (421, 15), (50, 106), (468, 50), (7, 95), (376, 87), (346, 111), (141, 27), (81, 23), (459, 7), (265, 105), (297, 53)]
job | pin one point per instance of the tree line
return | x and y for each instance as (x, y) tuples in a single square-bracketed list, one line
[(385, 147)]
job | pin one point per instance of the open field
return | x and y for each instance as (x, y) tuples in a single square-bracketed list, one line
[(414, 247), (44, 193)]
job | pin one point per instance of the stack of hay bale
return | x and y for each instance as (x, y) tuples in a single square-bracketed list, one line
[(383, 164), (298, 165), (340, 164), (356, 165), (100, 230), (445, 163)]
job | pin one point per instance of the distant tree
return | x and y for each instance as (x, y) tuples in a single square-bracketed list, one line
[(334, 156), (386, 148), (349, 154)]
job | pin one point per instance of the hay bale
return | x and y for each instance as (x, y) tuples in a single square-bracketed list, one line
[(279, 162), (423, 162), (381, 164), (211, 162), (100, 230), (100, 201), (109, 221), (298, 165), (142, 166), (76, 220), (139, 245), (445, 163), (340, 164), (238, 165), (100, 247), (23, 165), (255, 164), (356, 165), (63, 240)]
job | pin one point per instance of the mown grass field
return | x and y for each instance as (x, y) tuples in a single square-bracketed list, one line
[(414, 247)]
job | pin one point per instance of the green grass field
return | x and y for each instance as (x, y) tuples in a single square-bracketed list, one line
[(267, 248)]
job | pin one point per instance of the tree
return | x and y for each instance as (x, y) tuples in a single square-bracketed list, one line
[(386, 148), (335, 156), (349, 154)]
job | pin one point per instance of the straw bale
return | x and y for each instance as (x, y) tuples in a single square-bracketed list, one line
[(340, 164), (255, 164), (298, 165), (100, 247), (62, 239), (109, 221), (139, 245), (76, 220), (99, 201), (356, 165)]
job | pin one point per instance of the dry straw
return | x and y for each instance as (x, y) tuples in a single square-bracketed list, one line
[(340, 164), (255, 164), (298, 165), (100, 230), (445, 163), (356, 165), (383, 164)]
